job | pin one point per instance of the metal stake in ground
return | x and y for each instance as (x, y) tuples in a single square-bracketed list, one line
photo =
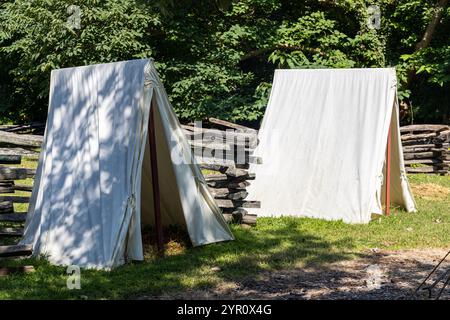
[(155, 180)]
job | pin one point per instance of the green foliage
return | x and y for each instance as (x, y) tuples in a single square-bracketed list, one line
[(36, 38), (406, 22), (217, 58)]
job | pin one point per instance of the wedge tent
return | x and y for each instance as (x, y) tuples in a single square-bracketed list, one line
[(323, 141), (93, 187)]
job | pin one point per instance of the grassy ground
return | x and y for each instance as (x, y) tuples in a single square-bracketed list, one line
[(275, 243)]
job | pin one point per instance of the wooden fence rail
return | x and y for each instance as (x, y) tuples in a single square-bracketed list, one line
[(226, 152), (426, 148), (11, 220)]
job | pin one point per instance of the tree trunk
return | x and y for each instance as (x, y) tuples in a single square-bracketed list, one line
[(438, 12), (428, 35)]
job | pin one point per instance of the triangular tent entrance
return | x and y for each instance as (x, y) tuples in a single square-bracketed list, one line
[(323, 143), (93, 187)]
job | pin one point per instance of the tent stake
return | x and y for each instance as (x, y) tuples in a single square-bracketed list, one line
[(155, 181), (388, 174)]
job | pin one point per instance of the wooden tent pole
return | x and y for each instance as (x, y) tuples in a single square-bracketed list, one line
[(388, 174), (155, 180)]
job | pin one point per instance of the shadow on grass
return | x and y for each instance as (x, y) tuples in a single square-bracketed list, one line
[(397, 278), (272, 247)]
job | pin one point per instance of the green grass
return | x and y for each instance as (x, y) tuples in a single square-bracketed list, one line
[(429, 178), (275, 243)]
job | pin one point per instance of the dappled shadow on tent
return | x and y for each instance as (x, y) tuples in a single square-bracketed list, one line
[(75, 150)]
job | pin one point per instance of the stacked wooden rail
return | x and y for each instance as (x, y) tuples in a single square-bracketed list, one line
[(15, 141), (35, 128), (11, 222), (225, 151), (426, 148), (13, 144)]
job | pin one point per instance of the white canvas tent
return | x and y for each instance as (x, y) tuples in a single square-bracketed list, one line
[(323, 143), (93, 186)]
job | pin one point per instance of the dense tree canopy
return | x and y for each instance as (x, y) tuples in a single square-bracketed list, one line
[(217, 58)]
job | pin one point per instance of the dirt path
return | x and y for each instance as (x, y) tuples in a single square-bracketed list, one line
[(376, 275)]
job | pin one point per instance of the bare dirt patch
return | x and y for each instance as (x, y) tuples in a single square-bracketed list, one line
[(430, 191), (375, 275)]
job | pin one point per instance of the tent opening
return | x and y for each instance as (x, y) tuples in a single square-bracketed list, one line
[(171, 210), (398, 181)]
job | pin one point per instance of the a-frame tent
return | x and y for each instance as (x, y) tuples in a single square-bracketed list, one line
[(324, 142), (94, 187)]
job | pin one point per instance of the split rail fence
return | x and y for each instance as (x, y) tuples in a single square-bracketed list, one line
[(225, 151), (426, 148), (12, 222)]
